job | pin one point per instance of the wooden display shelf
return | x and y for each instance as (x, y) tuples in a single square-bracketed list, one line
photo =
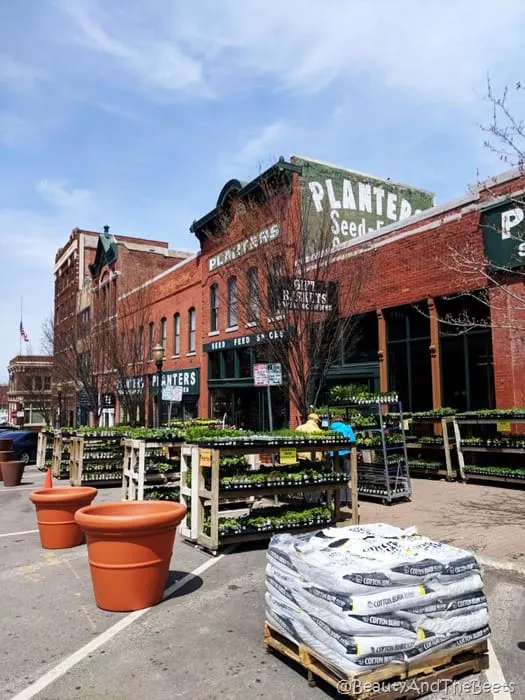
[(208, 459), (134, 471), (436, 670)]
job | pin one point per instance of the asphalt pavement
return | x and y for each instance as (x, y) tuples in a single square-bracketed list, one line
[(203, 642)]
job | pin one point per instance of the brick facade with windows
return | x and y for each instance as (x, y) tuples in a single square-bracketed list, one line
[(412, 281)]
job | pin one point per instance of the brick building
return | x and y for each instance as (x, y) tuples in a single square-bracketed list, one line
[(417, 279), (29, 392), (91, 270)]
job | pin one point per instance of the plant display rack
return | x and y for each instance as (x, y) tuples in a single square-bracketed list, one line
[(147, 462), (383, 468), (211, 499), (96, 459), (504, 444), (43, 453), (56, 455), (445, 444)]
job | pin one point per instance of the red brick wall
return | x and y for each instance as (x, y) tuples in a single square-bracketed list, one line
[(508, 336)]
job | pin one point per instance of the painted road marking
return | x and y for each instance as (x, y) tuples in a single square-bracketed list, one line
[(21, 532), (67, 664), (495, 677)]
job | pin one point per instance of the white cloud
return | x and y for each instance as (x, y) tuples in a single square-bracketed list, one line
[(257, 149), (154, 61), (56, 192), (17, 75)]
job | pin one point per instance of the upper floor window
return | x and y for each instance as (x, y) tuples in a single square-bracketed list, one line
[(163, 333), (176, 334), (192, 329), (232, 302), (151, 337), (253, 295), (214, 307), (140, 345)]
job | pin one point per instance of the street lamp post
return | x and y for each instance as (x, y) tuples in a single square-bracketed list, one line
[(59, 393), (158, 357)]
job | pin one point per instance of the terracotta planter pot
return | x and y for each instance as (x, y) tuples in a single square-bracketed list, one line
[(12, 472), (55, 514), (129, 548), (6, 455), (6, 444)]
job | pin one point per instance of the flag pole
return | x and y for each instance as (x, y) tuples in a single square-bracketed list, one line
[(20, 329)]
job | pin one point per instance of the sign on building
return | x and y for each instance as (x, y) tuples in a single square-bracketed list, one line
[(341, 205), (304, 295), (275, 374), (267, 374), (260, 375), (504, 235)]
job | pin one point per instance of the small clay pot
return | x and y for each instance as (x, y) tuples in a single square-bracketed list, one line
[(12, 472), (6, 444)]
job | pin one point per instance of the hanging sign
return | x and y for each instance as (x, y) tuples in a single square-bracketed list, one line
[(287, 455), (172, 393), (205, 458)]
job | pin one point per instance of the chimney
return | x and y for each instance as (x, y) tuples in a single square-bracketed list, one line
[(106, 229)]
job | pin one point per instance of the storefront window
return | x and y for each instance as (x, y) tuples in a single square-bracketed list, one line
[(229, 363), (361, 343), (467, 366), (244, 358), (409, 368), (214, 365)]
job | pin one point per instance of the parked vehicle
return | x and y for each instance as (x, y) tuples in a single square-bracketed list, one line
[(7, 426), (25, 444)]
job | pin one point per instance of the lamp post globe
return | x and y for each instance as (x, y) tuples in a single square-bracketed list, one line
[(158, 357)]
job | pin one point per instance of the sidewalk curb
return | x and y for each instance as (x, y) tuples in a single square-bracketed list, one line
[(500, 565)]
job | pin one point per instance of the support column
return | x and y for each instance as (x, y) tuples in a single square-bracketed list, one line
[(382, 351), (435, 363)]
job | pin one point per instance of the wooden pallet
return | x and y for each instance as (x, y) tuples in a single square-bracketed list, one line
[(391, 682)]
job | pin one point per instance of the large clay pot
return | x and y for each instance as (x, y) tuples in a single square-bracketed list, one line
[(55, 514), (129, 548), (6, 444), (12, 472)]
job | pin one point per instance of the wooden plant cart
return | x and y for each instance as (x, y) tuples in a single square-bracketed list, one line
[(390, 682), (60, 454), (447, 423), (41, 450), (137, 471), (209, 501), (96, 459), (479, 473)]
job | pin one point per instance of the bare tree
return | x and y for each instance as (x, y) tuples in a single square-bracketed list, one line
[(496, 280), (285, 289)]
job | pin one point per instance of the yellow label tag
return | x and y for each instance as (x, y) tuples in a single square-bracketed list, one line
[(287, 455), (503, 426), (420, 634), (205, 458)]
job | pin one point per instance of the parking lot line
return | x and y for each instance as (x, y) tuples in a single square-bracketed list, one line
[(21, 532), (67, 664), (495, 677)]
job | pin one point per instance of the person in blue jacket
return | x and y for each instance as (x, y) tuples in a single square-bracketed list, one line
[(339, 426)]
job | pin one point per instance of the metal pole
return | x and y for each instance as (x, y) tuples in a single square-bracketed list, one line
[(269, 394), (59, 409), (159, 392)]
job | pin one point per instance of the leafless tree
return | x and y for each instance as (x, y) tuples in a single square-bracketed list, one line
[(497, 287), (285, 290)]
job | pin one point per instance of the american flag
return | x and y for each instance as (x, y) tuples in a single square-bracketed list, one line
[(23, 333)]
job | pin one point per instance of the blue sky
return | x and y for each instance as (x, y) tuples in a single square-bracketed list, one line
[(134, 114)]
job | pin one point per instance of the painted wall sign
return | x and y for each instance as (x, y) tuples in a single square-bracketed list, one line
[(245, 341), (504, 234), (305, 295), (245, 246), (351, 205)]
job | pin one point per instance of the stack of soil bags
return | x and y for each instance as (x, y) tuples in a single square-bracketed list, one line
[(365, 596)]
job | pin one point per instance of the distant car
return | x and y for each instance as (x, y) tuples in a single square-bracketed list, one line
[(6, 426), (24, 444)]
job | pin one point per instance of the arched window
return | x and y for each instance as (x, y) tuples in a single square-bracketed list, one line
[(214, 307), (276, 272), (163, 333), (176, 334), (151, 337), (192, 329), (232, 302), (140, 345), (253, 295)]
